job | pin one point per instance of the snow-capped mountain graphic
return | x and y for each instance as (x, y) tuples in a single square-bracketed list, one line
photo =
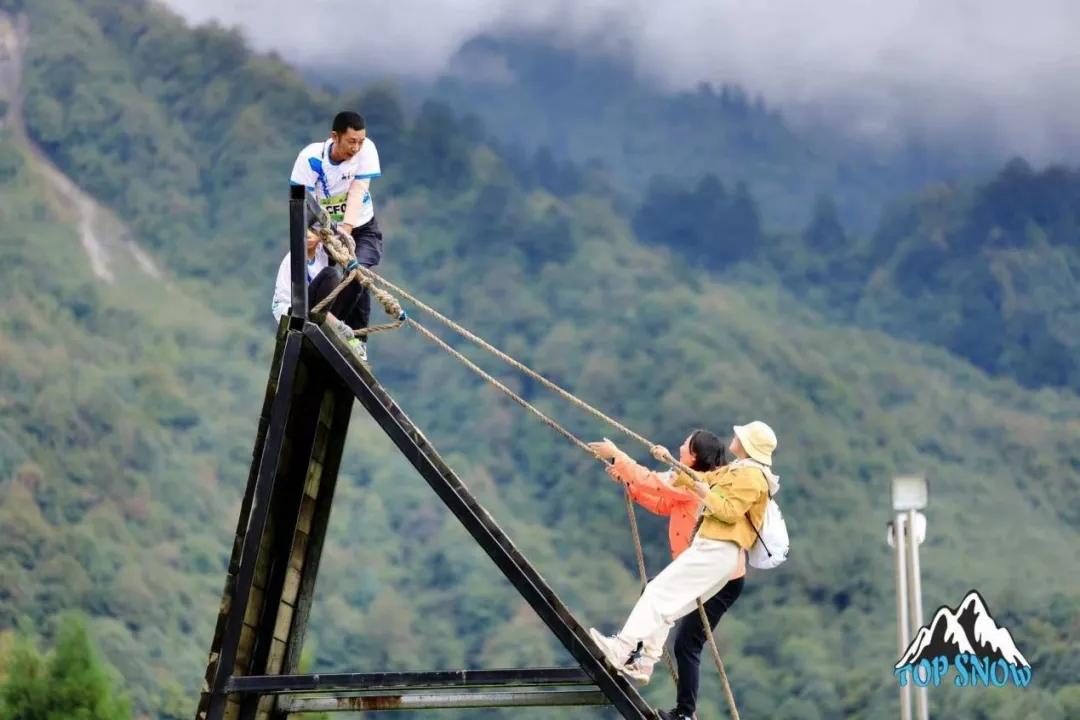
[(970, 629)]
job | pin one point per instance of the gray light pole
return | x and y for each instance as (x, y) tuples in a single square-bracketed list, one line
[(896, 541), (922, 708), (907, 531)]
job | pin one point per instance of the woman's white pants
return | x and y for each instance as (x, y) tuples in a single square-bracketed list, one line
[(699, 572)]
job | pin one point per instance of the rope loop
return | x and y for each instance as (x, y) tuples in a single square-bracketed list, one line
[(342, 251)]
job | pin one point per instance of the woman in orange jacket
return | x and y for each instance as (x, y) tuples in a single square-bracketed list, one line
[(702, 451)]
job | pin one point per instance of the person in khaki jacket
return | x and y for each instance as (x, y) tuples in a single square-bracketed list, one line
[(733, 496)]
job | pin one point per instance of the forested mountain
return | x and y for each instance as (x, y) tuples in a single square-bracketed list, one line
[(129, 407), (989, 270), (582, 105), (936, 243)]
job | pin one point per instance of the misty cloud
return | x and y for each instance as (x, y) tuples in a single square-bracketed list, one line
[(1004, 67)]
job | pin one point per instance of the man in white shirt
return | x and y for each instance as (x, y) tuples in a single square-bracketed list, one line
[(338, 172)]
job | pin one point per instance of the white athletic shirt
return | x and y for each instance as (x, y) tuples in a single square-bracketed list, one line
[(283, 286), (329, 181)]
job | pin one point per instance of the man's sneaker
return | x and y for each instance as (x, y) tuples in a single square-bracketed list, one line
[(672, 715), (341, 329), (359, 347)]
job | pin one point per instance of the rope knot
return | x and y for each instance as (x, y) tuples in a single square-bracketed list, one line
[(341, 249)]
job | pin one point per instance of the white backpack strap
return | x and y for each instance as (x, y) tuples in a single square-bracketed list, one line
[(760, 468)]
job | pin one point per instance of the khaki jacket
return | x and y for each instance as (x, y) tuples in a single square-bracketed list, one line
[(735, 491)]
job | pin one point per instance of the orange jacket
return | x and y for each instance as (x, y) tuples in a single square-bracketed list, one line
[(681, 506)]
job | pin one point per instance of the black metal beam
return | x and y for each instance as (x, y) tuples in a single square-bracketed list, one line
[(336, 682), (483, 528), (331, 462), (378, 703), (316, 213), (298, 227), (243, 517), (284, 506), (264, 485)]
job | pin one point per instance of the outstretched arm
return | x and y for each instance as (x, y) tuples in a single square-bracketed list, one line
[(640, 493), (644, 496), (646, 487), (368, 169), (648, 480), (731, 505), (359, 194)]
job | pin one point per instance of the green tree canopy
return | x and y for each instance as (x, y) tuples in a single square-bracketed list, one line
[(70, 682)]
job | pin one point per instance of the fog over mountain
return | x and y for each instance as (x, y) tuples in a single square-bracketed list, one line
[(1005, 66)]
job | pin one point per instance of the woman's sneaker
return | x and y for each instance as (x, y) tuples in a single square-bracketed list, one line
[(640, 669), (623, 656)]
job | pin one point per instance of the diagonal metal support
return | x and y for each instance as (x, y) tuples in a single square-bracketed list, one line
[(485, 531), (239, 594), (273, 618)]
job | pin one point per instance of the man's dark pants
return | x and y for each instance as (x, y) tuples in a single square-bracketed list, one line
[(369, 248), (324, 283), (690, 638)]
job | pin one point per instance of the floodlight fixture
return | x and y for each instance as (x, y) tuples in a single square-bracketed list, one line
[(909, 492)]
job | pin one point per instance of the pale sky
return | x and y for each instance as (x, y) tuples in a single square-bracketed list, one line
[(1012, 66)]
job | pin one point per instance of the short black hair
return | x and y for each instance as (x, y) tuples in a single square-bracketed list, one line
[(347, 120), (708, 450)]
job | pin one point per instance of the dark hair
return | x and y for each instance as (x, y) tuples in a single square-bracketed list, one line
[(708, 451), (347, 120)]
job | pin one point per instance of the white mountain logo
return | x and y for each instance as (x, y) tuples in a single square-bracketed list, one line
[(969, 630)]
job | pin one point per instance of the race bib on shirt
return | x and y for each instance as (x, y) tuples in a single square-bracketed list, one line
[(335, 206)]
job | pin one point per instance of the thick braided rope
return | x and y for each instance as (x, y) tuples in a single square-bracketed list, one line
[(333, 243), (639, 553), (596, 413), (668, 459), (502, 388), (565, 433), (367, 278), (719, 663)]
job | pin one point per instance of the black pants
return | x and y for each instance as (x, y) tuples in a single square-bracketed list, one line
[(345, 304), (690, 638), (369, 245)]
